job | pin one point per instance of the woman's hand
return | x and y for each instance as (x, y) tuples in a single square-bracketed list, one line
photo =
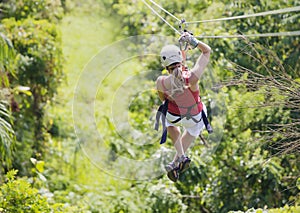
[(189, 38)]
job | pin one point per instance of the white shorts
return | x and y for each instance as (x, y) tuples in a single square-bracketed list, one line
[(190, 126)]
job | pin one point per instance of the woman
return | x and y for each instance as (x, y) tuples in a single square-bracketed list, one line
[(181, 91)]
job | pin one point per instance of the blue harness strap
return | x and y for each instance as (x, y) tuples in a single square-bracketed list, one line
[(206, 123), (161, 113)]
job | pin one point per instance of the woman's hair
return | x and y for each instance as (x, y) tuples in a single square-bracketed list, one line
[(177, 82)]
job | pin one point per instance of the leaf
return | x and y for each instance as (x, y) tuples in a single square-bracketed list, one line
[(23, 89), (11, 174), (131, 152), (42, 177), (33, 161), (40, 166)]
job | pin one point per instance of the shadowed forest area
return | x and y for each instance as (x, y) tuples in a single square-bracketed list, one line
[(78, 101)]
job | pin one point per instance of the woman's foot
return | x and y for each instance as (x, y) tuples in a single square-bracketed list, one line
[(172, 171), (183, 163)]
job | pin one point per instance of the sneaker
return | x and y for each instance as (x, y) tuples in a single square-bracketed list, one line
[(184, 163), (172, 172)]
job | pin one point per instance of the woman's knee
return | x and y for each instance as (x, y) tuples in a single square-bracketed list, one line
[(174, 129), (187, 137)]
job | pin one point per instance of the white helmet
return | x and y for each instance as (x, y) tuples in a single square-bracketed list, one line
[(170, 54)]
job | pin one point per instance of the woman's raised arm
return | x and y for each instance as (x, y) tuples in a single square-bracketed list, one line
[(201, 63)]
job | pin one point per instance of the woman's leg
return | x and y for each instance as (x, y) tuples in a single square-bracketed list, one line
[(175, 135), (186, 140), (183, 161)]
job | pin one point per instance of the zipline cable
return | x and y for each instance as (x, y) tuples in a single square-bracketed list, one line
[(160, 7), (161, 17), (291, 33), (285, 10), (272, 12)]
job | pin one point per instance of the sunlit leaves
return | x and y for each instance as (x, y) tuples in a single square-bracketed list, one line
[(37, 9), (17, 195)]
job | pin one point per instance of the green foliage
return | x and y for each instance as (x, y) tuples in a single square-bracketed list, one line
[(37, 9), (284, 22), (146, 22), (7, 56), (165, 198), (241, 174), (7, 134), (142, 108), (40, 69), (38, 43), (17, 195), (285, 209)]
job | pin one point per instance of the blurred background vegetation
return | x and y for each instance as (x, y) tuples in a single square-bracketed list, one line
[(45, 45)]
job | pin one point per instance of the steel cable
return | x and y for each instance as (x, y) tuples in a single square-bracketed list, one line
[(285, 10), (272, 12)]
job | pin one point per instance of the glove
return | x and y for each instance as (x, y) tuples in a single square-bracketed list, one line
[(189, 38)]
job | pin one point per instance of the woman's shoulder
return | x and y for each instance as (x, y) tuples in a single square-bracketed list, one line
[(162, 81), (162, 78)]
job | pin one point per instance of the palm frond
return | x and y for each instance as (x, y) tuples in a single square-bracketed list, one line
[(7, 136)]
